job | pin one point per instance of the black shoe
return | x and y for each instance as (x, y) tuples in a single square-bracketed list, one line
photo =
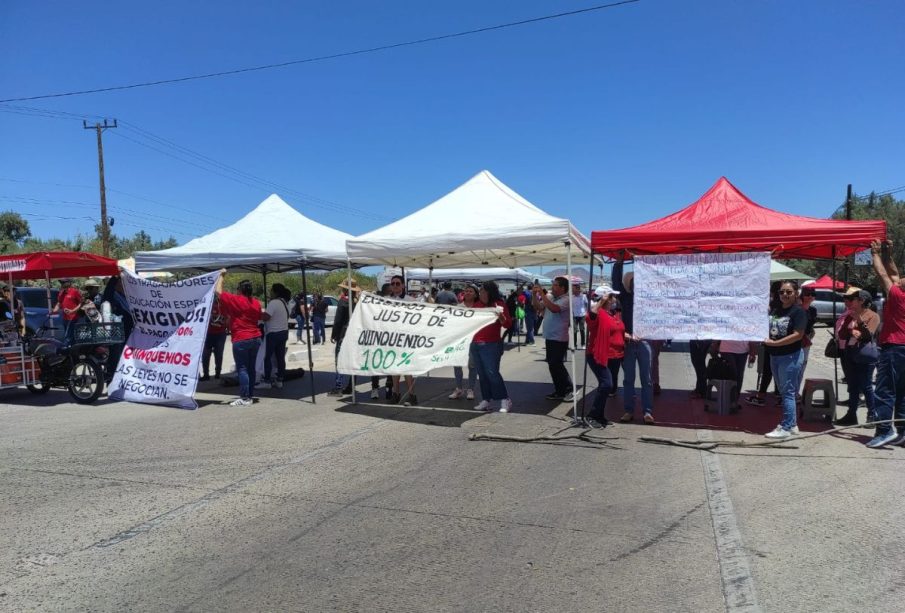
[(411, 400), (393, 399), (347, 389), (204, 378), (593, 423), (849, 419), (554, 396), (217, 376)]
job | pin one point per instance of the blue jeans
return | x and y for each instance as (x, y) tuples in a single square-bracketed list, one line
[(604, 385), (786, 370), (275, 351), (530, 320), (320, 331), (486, 357), (299, 328), (637, 353), (245, 353), (472, 373), (889, 393)]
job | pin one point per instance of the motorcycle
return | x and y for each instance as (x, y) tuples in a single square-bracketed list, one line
[(78, 363)]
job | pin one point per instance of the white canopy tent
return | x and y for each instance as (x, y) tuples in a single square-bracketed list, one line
[(781, 272), (518, 275), (272, 237), (481, 222)]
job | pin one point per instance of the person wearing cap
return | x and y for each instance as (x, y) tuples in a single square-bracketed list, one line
[(638, 351), (606, 337), (889, 394), (93, 290), (8, 312), (858, 327), (276, 327), (579, 312), (69, 300), (340, 325)]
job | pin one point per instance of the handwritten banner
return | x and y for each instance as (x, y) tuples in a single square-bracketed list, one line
[(159, 363), (719, 296), (395, 337)]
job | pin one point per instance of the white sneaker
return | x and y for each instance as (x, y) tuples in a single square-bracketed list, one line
[(505, 405), (794, 431), (263, 385), (278, 384), (241, 402), (779, 432), (375, 395), (457, 393), (483, 406), (469, 394)]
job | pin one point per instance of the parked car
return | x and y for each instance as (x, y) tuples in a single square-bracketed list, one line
[(331, 310), (36, 313), (823, 302)]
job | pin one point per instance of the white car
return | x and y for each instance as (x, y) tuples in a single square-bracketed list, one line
[(332, 303)]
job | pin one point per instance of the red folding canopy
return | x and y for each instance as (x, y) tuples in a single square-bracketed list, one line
[(55, 264), (824, 282), (725, 220)]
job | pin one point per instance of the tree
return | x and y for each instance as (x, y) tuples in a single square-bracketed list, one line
[(13, 231)]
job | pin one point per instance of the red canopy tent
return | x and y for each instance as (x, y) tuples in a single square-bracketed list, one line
[(55, 264), (725, 220), (824, 282)]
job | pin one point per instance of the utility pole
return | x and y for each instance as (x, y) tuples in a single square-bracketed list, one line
[(105, 228)]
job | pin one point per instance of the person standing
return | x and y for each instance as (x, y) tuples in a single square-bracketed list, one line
[(787, 325), (889, 393), (375, 381), (605, 336), (469, 301), (579, 313), (446, 295), (487, 351), (12, 312), (276, 322), (338, 333), (698, 350), (214, 342), (858, 328), (397, 292), (300, 314), (555, 308), (637, 350), (808, 295), (244, 312), (530, 317), (319, 319), (119, 307), (69, 300)]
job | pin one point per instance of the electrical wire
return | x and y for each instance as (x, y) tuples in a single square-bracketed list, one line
[(323, 58)]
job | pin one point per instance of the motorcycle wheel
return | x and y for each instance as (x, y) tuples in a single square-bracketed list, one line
[(86, 381), (38, 388)]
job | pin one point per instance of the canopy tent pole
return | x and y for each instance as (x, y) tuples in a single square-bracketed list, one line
[(308, 331), (518, 325), (575, 419), (351, 299), (47, 279), (584, 378), (833, 331)]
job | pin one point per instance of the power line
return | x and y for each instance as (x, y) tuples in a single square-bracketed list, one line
[(322, 58)]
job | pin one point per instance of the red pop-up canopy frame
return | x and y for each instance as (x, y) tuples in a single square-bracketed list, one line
[(725, 220), (55, 265)]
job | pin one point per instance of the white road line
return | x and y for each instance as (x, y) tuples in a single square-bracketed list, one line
[(738, 583)]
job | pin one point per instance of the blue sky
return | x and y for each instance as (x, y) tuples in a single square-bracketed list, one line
[(610, 118)]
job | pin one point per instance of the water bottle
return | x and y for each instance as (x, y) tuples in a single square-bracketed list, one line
[(106, 313)]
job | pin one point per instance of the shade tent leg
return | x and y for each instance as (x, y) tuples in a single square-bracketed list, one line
[(575, 419), (584, 376), (833, 331), (308, 333), (351, 306)]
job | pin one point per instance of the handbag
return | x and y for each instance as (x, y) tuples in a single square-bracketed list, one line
[(832, 348), (867, 353)]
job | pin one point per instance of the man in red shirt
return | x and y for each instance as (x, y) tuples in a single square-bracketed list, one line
[(69, 300), (889, 394)]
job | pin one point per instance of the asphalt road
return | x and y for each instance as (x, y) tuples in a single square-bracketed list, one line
[(294, 506)]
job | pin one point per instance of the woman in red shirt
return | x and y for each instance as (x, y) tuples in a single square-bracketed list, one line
[(606, 341), (244, 312), (487, 350)]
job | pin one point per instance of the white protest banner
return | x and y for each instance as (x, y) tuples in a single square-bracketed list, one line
[(159, 363), (396, 337), (717, 296)]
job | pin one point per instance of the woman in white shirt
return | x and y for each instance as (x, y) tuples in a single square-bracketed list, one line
[(276, 318)]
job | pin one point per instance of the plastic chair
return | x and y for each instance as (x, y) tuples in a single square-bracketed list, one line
[(818, 412)]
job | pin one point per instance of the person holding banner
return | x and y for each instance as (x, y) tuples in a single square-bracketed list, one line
[(397, 291), (469, 300), (244, 312), (276, 322), (787, 325), (214, 342), (487, 350), (638, 353), (556, 335), (340, 324), (606, 338)]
